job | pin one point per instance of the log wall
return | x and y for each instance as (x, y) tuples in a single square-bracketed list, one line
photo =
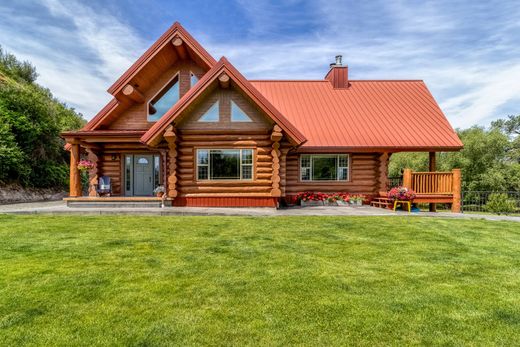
[(188, 186), (364, 175), (111, 167), (136, 116)]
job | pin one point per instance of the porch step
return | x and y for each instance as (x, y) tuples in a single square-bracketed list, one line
[(115, 202), (381, 202)]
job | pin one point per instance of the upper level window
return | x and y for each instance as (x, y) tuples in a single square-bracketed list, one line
[(212, 114), (224, 164), (324, 167), (163, 101), (237, 114), (193, 79)]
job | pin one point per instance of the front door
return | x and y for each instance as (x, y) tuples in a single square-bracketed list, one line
[(143, 175)]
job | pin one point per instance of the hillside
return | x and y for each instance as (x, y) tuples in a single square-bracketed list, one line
[(31, 119)]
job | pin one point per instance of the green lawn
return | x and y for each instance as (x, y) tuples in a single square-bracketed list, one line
[(258, 281)]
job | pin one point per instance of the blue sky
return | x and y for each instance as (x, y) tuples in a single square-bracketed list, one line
[(468, 52)]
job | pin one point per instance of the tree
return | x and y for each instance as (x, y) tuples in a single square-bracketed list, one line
[(31, 119)]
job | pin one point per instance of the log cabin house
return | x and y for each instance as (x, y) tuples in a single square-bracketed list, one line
[(180, 119)]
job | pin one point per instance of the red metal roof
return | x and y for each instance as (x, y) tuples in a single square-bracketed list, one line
[(369, 115)]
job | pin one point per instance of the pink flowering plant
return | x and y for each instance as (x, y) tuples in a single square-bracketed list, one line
[(401, 193), (86, 165)]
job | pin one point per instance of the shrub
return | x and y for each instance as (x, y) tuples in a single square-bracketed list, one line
[(500, 203)]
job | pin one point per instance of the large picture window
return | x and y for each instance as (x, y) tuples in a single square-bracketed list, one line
[(162, 102), (324, 167), (225, 164)]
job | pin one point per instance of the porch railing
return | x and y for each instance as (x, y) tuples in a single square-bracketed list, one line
[(432, 182)]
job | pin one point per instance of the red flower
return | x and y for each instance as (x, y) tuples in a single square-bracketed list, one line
[(401, 193)]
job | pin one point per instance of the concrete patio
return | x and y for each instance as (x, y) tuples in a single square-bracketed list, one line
[(60, 208)]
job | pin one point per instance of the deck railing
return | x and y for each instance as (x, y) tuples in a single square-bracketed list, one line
[(432, 182), (435, 184)]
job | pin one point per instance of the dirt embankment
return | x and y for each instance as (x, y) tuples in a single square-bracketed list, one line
[(12, 194)]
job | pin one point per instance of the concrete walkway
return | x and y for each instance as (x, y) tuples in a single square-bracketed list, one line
[(60, 208)]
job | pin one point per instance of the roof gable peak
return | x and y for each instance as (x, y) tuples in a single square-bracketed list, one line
[(168, 37), (224, 72)]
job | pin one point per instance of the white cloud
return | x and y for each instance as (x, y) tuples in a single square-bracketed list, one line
[(465, 53), (78, 54)]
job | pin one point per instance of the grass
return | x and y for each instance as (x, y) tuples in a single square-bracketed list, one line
[(147, 281)]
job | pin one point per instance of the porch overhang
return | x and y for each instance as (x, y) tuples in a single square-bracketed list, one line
[(103, 136)]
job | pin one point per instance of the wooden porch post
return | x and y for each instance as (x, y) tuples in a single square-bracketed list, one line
[(93, 156), (171, 137), (383, 173), (455, 206), (276, 136), (432, 167), (407, 178), (283, 170), (75, 179)]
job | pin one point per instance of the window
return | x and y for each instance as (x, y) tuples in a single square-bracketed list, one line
[(237, 114), (163, 101), (156, 170), (224, 164), (212, 114), (193, 79), (324, 167)]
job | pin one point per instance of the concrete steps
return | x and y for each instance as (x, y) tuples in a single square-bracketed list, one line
[(116, 202)]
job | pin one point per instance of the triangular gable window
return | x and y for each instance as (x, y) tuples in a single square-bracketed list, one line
[(238, 115), (163, 101), (193, 79), (212, 114)]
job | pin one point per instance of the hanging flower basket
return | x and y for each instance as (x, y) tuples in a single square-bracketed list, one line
[(86, 165)]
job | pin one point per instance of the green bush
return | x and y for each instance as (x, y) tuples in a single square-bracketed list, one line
[(31, 119), (500, 203)]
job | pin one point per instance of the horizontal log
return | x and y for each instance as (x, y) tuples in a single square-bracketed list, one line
[(216, 184), (264, 169), (211, 132), (266, 176), (205, 138), (225, 144), (196, 195), (211, 189), (133, 93)]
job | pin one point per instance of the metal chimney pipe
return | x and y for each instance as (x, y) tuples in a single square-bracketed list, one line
[(338, 60)]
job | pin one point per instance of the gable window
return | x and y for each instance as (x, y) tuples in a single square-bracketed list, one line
[(163, 101), (193, 79), (224, 164), (324, 167), (237, 114), (212, 114)]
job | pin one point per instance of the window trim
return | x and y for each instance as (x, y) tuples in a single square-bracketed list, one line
[(336, 181), (176, 75), (209, 179)]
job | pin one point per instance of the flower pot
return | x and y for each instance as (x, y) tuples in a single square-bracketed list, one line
[(311, 203), (330, 203), (342, 203)]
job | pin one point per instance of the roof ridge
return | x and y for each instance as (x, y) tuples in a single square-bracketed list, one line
[(309, 80)]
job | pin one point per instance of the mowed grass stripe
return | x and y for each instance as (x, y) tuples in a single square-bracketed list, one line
[(76, 280)]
